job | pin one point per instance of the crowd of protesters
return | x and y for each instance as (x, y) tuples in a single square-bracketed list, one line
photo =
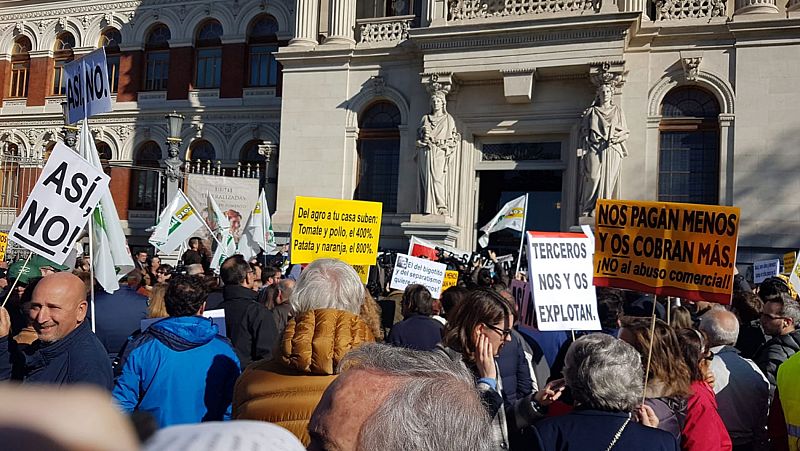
[(307, 356)]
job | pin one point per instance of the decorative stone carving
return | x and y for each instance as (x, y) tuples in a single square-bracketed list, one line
[(199, 130), (378, 84), (19, 27), (85, 21), (691, 67), (478, 9), (438, 141), (385, 29), (689, 9), (602, 140)]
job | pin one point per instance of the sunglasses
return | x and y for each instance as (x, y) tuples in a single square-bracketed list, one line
[(503, 332)]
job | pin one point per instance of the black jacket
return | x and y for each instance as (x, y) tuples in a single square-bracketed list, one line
[(418, 332), (774, 352), (249, 325), (77, 358)]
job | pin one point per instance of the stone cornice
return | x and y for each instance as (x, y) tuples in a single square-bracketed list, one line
[(35, 13)]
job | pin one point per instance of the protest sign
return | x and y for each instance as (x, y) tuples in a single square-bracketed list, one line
[(88, 92), (418, 247), (560, 277), (765, 269), (522, 298), (788, 262), (363, 272), (450, 279), (3, 245), (331, 228), (234, 195), (670, 249), (59, 205), (410, 270)]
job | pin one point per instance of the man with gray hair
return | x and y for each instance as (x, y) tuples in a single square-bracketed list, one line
[(779, 319), (395, 398), (606, 380), (741, 389)]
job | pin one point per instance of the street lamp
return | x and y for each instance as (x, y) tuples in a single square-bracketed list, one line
[(173, 164), (70, 131)]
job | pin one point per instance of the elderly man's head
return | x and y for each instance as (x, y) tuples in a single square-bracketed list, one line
[(328, 283), (721, 327), (604, 373), (385, 393), (58, 306)]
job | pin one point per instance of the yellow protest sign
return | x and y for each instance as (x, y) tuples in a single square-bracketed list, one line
[(450, 279), (670, 249), (3, 245), (363, 272), (788, 262), (331, 228)]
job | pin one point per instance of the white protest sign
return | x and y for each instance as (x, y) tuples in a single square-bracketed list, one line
[(88, 92), (410, 270), (560, 273), (59, 205), (765, 269)]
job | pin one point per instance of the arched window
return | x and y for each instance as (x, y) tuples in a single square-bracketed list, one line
[(144, 183), (9, 177), (689, 147), (156, 50), (62, 54), (208, 55), (262, 41), (379, 154), (20, 67), (103, 150), (202, 150), (111, 39)]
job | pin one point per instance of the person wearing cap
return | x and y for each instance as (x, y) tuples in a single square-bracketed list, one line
[(66, 350)]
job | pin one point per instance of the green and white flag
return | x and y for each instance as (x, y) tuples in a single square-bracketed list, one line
[(258, 234), (511, 216), (177, 223), (110, 256), (226, 245)]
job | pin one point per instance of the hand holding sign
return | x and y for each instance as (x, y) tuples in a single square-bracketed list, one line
[(59, 205)]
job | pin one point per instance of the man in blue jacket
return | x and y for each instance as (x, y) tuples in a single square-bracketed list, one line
[(179, 370), (66, 351)]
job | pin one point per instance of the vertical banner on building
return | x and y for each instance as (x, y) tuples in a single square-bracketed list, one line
[(560, 277), (59, 205), (664, 248), (88, 90)]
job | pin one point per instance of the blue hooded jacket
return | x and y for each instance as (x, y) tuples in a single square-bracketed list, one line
[(180, 371)]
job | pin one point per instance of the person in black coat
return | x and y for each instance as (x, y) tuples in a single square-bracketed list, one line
[(119, 314), (249, 325), (418, 330), (66, 351), (605, 377)]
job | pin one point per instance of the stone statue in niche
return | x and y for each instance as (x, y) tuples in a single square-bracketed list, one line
[(602, 147), (438, 140)]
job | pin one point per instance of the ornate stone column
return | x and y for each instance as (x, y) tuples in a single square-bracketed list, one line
[(306, 21), (755, 7), (342, 23)]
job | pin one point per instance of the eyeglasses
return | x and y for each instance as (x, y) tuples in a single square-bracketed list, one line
[(503, 332), (769, 316)]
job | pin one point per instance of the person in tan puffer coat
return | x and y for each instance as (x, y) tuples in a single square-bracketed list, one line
[(285, 390)]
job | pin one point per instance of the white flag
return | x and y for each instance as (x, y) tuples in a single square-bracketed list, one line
[(509, 217), (794, 277), (226, 245), (258, 234), (177, 223), (110, 256)]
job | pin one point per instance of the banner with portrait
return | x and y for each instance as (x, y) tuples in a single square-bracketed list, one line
[(234, 195)]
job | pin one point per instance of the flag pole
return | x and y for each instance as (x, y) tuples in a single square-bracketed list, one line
[(522, 238), (14, 285), (202, 220), (91, 269)]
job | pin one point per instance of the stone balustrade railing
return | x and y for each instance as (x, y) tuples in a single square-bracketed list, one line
[(480, 9), (689, 9), (384, 29)]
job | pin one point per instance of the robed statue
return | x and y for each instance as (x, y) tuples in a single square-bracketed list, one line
[(437, 142), (602, 148)]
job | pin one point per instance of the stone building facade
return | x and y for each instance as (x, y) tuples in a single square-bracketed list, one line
[(209, 61), (708, 89)]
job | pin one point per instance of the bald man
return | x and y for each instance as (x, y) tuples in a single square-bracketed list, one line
[(742, 391), (66, 351)]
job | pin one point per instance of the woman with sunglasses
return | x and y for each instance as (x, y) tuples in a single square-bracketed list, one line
[(476, 331), (703, 428)]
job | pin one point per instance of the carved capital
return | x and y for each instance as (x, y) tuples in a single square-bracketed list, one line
[(440, 84)]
